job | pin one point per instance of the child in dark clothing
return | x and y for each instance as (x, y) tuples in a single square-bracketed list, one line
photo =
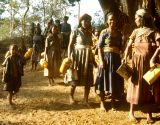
[(13, 70)]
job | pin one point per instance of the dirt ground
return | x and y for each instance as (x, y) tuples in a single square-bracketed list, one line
[(38, 104)]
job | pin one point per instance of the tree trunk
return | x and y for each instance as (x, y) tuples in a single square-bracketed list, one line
[(11, 21), (44, 13), (24, 21), (129, 7)]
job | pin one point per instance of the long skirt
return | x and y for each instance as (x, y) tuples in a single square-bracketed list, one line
[(54, 62), (107, 78), (139, 91), (83, 63)]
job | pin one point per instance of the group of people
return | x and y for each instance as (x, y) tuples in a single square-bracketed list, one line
[(37, 38), (144, 43), (53, 42)]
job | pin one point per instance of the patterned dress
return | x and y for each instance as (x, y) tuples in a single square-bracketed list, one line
[(82, 56), (107, 78), (138, 89)]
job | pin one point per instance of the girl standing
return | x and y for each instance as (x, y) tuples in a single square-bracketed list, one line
[(13, 70), (52, 55)]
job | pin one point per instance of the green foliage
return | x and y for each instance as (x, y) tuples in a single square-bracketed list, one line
[(4, 28), (2, 6)]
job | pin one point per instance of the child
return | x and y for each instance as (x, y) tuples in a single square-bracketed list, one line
[(13, 70)]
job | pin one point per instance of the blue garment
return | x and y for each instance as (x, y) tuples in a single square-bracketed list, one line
[(65, 28), (107, 78)]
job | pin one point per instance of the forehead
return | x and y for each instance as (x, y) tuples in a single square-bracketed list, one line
[(137, 16), (111, 17), (86, 20), (54, 27), (13, 48)]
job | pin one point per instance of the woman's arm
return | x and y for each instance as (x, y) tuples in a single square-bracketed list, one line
[(46, 47), (71, 44), (127, 50), (100, 54), (153, 59)]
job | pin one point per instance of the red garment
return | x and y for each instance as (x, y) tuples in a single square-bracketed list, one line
[(139, 91)]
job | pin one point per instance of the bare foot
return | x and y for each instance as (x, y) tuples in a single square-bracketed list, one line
[(86, 103), (132, 118), (150, 120), (11, 103), (102, 107), (49, 85), (72, 101)]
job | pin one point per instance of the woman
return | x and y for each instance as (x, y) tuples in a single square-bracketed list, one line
[(144, 45), (52, 55), (153, 62), (37, 48), (80, 49), (109, 47)]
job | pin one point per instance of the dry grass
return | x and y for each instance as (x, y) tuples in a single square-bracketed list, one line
[(38, 104)]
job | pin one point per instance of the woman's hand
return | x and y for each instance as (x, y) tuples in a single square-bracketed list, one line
[(124, 60), (101, 64), (152, 64)]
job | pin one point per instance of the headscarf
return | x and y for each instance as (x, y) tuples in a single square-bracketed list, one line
[(143, 13), (85, 17)]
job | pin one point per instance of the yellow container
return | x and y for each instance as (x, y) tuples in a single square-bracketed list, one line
[(65, 65), (42, 54), (28, 54), (152, 75), (125, 71), (30, 51), (43, 63)]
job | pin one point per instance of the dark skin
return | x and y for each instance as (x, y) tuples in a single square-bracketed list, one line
[(14, 52), (85, 24), (111, 28), (138, 21), (54, 32)]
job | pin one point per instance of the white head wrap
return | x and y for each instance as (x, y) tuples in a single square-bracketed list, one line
[(143, 13)]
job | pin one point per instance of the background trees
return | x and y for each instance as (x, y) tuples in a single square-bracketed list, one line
[(17, 15)]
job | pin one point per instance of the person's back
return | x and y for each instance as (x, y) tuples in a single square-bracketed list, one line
[(37, 48), (65, 30), (31, 34)]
